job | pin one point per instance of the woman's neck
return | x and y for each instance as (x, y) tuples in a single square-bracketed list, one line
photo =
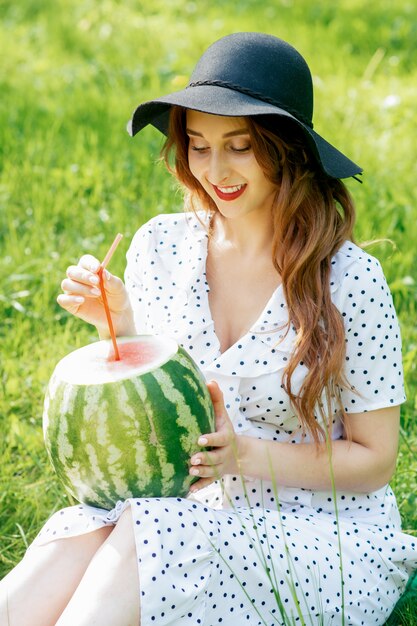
[(247, 236)]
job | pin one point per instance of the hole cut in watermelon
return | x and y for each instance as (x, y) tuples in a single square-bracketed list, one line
[(95, 363)]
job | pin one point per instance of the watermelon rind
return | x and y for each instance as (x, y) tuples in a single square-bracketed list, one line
[(131, 437)]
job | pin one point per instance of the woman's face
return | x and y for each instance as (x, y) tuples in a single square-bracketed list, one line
[(221, 158)]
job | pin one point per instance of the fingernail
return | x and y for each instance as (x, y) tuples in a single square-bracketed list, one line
[(94, 266), (196, 461), (195, 471), (79, 299), (95, 291), (94, 280), (203, 441)]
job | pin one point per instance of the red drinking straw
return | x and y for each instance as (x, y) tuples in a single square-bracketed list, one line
[(103, 293)]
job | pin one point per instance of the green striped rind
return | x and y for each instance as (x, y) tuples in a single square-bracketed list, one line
[(131, 438)]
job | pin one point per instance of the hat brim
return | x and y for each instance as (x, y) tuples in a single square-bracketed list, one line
[(228, 102)]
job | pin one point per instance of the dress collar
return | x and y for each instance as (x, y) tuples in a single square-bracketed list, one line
[(256, 352)]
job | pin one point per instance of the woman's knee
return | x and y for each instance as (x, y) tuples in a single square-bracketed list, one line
[(37, 590), (72, 554), (109, 592)]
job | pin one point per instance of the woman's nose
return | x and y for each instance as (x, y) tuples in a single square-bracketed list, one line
[(218, 168)]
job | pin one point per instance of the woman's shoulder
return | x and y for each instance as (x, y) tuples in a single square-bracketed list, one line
[(173, 224), (167, 230), (357, 275), (352, 262), (350, 253), (168, 237)]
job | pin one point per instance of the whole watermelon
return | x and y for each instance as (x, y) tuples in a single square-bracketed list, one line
[(120, 429)]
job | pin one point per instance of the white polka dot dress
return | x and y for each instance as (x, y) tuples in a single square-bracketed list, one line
[(241, 551)]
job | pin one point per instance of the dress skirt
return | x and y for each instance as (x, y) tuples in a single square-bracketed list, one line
[(200, 565)]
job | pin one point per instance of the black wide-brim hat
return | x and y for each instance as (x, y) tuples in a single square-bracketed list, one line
[(250, 74)]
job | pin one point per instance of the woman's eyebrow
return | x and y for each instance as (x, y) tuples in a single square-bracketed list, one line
[(233, 133)]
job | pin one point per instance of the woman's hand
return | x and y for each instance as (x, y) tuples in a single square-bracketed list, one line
[(82, 297), (224, 458)]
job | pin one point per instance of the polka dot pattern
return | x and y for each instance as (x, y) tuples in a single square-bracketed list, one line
[(215, 557)]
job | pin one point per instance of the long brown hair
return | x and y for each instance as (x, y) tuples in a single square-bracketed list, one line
[(313, 215)]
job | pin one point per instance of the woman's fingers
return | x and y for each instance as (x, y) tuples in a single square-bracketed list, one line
[(73, 287), (80, 281), (82, 275), (216, 397), (215, 457), (222, 458), (70, 303), (224, 428), (217, 439), (206, 471), (220, 411), (89, 262), (82, 296), (85, 272)]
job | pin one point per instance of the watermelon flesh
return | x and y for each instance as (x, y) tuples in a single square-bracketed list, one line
[(120, 429)]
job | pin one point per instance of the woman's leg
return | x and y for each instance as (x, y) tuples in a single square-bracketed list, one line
[(38, 589), (108, 594)]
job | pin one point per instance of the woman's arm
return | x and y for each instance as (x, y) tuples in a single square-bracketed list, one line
[(364, 464)]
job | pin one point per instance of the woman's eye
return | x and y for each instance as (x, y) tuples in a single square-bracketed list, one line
[(237, 148), (241, 149)]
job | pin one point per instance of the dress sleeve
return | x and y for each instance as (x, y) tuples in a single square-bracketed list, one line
[(373, 340), (137, 257)]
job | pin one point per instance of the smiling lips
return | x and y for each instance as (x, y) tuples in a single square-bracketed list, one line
[(229, 193)]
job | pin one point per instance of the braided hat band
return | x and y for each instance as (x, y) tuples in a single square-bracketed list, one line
[(252, 94)]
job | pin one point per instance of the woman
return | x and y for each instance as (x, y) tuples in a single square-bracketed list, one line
[(294, 327)]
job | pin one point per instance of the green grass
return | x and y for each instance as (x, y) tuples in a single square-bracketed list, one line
[(71, 178)]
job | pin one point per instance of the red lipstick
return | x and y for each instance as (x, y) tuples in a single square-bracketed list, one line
[(229, 196)]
